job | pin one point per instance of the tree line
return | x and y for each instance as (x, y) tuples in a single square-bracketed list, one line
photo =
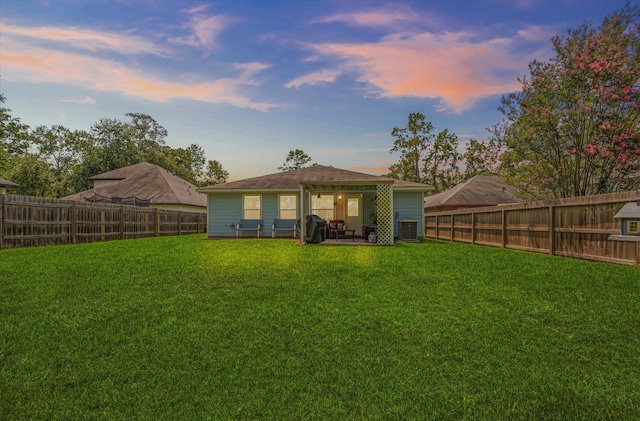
[(56, 161)]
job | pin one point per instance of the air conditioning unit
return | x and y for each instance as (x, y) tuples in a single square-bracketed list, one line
[(408, 230)]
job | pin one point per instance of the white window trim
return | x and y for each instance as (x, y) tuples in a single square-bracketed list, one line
[(295, 202), (249, 194)]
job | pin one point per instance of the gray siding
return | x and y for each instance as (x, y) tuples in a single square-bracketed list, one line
[(225, 209), (408, 205)]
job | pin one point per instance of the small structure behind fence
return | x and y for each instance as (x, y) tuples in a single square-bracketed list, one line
[(27, 221), (576, 227)]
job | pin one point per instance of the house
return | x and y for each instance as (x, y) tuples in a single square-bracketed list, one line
[(360, 199), (144, 184), (6, 184), (478, 191)]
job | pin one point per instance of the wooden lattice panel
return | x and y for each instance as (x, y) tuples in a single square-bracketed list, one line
[(385, 214)]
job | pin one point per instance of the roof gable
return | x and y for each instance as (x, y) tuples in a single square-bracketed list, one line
[(146, 181), (291, 180), (7, 183), (630, 210), (480, 190)]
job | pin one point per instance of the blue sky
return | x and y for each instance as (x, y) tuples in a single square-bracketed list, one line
[(250, 80)]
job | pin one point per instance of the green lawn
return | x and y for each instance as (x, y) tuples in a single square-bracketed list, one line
[(184, 328)]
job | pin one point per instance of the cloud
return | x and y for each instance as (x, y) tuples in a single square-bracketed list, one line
[(446, 66), (86, 39), (381, 18), (37, 65), (537, 33), (204, 28), (315, 78), (79, 100)]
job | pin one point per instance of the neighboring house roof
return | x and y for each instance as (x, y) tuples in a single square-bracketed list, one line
[(481, 190), (7, 183), (146, 181), (291, 180), (630, 210)]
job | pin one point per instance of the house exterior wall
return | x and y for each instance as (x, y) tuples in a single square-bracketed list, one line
[(408, 205), (225, 210)]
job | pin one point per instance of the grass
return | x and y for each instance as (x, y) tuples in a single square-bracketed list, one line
[(183, 328)]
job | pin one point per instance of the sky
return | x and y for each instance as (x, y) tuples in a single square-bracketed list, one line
[(249, 81)]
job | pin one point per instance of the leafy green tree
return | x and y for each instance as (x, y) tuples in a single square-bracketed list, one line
[(14, 137), (215, 174), (441, 162), (412, 141), (296, 159), (574, 127), (34, 176), (480, 157), (61, 149)]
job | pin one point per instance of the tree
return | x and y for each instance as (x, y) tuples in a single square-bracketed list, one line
[(215, 174), (441, 162), (61, 149), (480, 158), (412, 141), (574, 128), (295, 160), (14, 137)]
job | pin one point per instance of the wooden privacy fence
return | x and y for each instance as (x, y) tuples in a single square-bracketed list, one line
[(577, 227), (27, 221)]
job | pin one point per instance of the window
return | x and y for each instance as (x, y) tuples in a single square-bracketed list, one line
[(353, 208), (287, 207), (322, 205), (251, 206), (633, 227)]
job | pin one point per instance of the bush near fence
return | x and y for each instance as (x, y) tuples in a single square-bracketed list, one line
[(576, 227), (27, 221)]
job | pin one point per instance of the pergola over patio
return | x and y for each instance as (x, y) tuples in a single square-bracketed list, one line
[(384, 193)]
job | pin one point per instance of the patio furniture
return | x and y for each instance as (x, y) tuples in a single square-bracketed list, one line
[(249, 225), (286, 225), (368, 229), (336, 226)]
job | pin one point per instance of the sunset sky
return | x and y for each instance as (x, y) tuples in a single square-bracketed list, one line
[(250, 80)]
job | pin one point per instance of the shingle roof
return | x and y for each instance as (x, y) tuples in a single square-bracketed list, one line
[(146, 181), (290, 180), (481, 190), (630, 210), (7, 183)]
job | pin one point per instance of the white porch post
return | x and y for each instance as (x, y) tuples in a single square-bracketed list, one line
[(385, 227), (303, 219)]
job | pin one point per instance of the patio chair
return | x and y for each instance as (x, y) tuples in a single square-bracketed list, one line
[(336, 228)]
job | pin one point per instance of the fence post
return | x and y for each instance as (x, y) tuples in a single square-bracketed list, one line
[(504, 229), (638, 253), (103, 227), (452, 224), (74, 227), (122, 220), (156, 222), (473, 227), (437, 228), (179, 223), (2, 196), (552, 225)]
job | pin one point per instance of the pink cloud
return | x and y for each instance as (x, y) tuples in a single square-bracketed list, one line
[(379, 18), (444, 66), (36, 65), (87, 39), (315, 78)]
